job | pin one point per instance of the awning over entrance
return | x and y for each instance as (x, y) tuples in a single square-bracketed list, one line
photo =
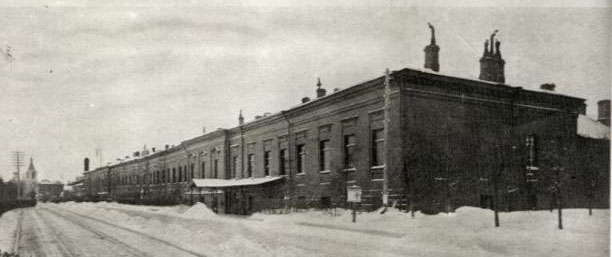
[(219, 183)]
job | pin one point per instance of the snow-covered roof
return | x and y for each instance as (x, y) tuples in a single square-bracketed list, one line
[(233, 182), (590, 128)]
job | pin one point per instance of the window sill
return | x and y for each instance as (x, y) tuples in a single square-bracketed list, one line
[(378, 167), (378, 179), (349, 169), (300, 174), (324, 171), (532, 168)]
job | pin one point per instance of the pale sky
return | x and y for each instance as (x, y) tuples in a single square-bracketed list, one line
[(118, 76)]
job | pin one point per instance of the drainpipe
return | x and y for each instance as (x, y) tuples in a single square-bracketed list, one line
[(289, 151), (386, 122)]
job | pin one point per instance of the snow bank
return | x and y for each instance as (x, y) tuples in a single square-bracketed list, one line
[(198, 211), (467, 232), (8, 224)]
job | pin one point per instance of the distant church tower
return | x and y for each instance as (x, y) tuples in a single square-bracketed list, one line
[(431, 52), (491, 62), (30, 181)]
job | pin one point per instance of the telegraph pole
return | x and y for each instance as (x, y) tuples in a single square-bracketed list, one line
[(17, 161)]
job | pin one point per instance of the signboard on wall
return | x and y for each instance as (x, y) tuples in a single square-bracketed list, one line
[(353, 194)]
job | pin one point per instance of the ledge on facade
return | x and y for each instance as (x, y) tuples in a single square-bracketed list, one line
[(349, 169), (324, 171), (378, 167)]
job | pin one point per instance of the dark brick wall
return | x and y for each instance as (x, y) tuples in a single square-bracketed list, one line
[(449, 140)]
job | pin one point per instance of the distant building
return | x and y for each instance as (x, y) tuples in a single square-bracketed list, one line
[(49, 191)]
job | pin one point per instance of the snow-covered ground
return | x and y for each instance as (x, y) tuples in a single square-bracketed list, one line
[(198, 231)]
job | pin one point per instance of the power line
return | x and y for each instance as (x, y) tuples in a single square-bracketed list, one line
[(17, 161)]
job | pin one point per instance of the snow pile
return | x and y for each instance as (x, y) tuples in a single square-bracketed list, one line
[(198, 211), (590, 128), (467, 232)]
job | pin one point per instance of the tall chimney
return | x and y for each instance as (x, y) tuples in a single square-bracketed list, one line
[(431, 52), (320, 91), (240, 119), (491, 62), (603, 112), (86, 164)]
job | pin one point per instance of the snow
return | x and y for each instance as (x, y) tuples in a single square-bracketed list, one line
[(233, 182), (467, 232), (590, 128), (199, 211), (8, 224)]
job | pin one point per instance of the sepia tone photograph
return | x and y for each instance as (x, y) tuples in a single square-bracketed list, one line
[(305, 128)]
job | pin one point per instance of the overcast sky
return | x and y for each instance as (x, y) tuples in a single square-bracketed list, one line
[(117, 76)]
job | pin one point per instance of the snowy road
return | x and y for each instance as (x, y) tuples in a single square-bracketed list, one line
[(111, 229), (55, 232)]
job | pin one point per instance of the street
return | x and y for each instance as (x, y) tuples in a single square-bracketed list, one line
[(111, 229)]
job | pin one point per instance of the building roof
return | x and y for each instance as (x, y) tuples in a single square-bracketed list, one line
[(216, 183), (590, 128)]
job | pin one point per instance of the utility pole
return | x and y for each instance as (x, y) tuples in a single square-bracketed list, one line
[(17, 161), (386, 122)]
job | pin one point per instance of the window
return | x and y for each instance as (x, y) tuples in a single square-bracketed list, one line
[(267, 163), (234, 166), (251, 165), (192, 167), (215, 168), (282, 162), (530, 143), (350, 143), (301, 158), (324, 155), (378, 147), (173, 175), (180, 174), (203, 169)]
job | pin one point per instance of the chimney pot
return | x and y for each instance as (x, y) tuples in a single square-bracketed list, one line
[(603, 112), (86, 164), (548, 86), (305, 99)]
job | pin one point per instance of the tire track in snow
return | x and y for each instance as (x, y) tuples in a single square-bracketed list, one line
[(101, 235), (17, 236), (158, 240), (48, 230)]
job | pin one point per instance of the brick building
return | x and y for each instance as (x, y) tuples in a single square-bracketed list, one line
[(426, 140)]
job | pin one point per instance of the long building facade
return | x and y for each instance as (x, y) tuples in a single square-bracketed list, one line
[(413, 138)]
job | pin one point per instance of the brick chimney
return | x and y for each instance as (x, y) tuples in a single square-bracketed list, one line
[(240, 119), (491, 62), (320, 91), (431, 52), (603, 112), (86, 164)]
